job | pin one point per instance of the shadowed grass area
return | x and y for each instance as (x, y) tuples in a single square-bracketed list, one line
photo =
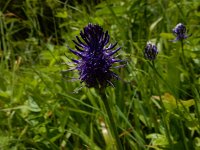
[(154, 105)]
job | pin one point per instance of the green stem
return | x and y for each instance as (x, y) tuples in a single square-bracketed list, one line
[(182, 48), (190, 70), (162, 104), (156, 82), (158, 74), (111, 120), (167, 130), (183, 55), (183, 135)]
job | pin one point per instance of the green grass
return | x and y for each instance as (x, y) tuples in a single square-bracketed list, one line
[(154, 106)]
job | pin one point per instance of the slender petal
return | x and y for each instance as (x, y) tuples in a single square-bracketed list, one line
[(78, 44), (79, 49), (76, 53), (111, 46), (76, 61), (113, 52), (80, 41)]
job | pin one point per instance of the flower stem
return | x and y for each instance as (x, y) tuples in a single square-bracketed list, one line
[(183, 55), (111, 120), (162, 105), (158, 74), (181, 124)]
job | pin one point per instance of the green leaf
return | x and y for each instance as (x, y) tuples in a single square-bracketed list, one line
[(154, 24), (167, 35), (32, 105), (88, 140), (197, 143), (62, 14), (170, 102), (157, 139)]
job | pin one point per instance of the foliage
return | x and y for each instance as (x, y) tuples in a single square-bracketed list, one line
[(155, 105)]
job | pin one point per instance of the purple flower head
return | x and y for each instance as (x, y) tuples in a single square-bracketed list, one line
[(180, 32), (96, 59), (150, 51)]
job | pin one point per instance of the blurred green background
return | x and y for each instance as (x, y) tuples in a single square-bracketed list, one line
[(154, 107)]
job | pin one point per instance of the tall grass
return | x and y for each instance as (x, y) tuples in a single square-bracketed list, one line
[(154, 106)]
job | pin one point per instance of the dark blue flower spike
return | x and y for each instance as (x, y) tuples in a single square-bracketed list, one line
[(96, 60), (150, 51), (180, 32)]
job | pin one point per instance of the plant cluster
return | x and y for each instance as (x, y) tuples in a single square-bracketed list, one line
[(65, 84)]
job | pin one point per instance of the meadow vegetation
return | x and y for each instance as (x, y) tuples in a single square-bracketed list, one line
[(155, 104)]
